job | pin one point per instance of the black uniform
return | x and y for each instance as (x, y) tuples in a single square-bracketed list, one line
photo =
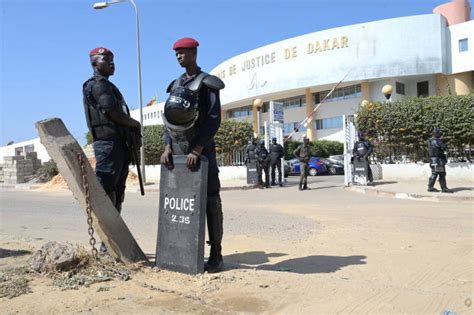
[(263, 164), (276, 153), (110, 147), (438, 160), (209, 121), (362, 149), (303, 153)]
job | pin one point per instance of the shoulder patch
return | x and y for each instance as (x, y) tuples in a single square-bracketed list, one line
[(213, 82)]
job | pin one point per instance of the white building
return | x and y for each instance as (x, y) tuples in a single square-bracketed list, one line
[(152, 115), (20, 148), (419, 55)]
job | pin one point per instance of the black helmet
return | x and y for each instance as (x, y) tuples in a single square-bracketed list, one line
[(181, 107)]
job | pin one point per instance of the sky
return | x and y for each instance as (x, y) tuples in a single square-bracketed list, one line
[(45, 45)]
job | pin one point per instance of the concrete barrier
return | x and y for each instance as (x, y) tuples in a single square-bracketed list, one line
[(225, 172), (463, 172)]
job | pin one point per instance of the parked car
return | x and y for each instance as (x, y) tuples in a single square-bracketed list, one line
[(339, 157), (315, 165), (334, 167)]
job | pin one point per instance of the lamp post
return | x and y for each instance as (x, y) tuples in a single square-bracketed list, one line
[(387, 91), (103, 5)]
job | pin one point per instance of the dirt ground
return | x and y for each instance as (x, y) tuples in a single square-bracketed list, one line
[(325, 251)]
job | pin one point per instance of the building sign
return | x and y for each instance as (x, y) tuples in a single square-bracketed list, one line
[(289, 53), (276, 112)]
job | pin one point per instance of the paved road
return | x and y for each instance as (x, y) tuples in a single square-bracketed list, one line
[(56, 215), (373, 254)]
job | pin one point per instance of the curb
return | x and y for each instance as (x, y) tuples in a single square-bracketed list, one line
[(19, 186), (409, 196), (154, 190)]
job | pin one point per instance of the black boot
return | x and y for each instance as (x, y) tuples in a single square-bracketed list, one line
[(300, 186), (215, 229), (431, 183)]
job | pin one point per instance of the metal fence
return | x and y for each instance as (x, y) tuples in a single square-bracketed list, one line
[(232, 158)]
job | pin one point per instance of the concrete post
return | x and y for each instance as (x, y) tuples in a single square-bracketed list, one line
[(107, 222)]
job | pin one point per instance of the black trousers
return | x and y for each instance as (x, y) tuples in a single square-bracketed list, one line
[(276, 165), (112, 160), (434, 175), (263, 167)]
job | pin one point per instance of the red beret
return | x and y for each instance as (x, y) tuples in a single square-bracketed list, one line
[(101, 51), (186, 42)]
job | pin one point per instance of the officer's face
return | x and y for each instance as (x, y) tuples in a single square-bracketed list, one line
[(186, 56), (104, 65)]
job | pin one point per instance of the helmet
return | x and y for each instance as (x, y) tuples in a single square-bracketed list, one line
[(181, 107)]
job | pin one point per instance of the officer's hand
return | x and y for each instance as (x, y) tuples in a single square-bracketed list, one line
[(192, 161), (167, 159)]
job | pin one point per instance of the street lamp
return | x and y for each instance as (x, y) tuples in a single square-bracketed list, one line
[(387, 91), (103, 5)]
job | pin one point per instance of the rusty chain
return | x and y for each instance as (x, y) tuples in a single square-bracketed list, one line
[(85, 186)]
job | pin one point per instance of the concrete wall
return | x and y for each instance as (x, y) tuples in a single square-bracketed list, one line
[(225, 173), (454, 171), (459, 172)]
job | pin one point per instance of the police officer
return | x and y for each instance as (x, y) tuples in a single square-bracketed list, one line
[(250, 155), (361, 150), (302, 153), (109, 121), (208, 122), (263, 164), (438, 160), (276, 154)]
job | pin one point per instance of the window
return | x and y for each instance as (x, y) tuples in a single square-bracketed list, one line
[(328, 123), (463, 45), (347, 92), (400, 88), (290, 127), (422, 89), (292, 102), (239, 112)]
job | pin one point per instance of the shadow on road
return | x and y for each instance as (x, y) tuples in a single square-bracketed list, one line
[(378, 183), (302, 265), (4, 253), (457, 189)]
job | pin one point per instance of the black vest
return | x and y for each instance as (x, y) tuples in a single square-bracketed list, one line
[(99, 125)]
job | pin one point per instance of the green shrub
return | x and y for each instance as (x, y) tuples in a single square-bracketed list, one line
[(153, 143), (47, 171), (233, 135), (403, 127), (318, 148), (89, 138)]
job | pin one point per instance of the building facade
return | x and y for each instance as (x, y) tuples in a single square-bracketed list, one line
[(423, 55)]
